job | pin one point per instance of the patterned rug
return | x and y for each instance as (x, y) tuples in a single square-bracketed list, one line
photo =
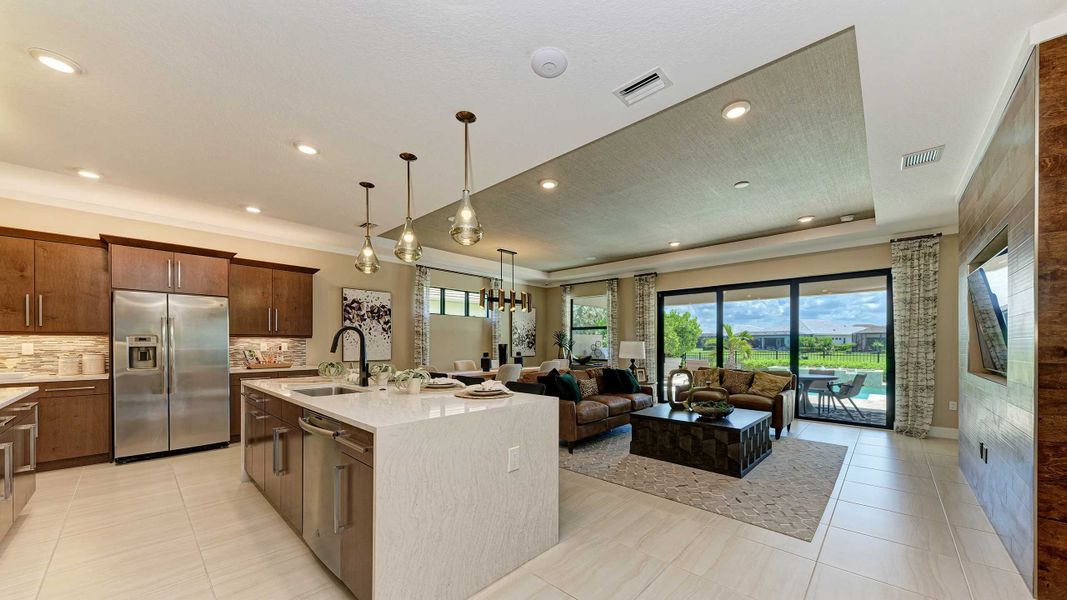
[(787, 492)]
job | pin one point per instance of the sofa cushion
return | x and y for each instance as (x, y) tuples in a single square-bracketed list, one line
[(616, 404), (736, 382), (714, 394), (751, 401), (706, 377), (768, 385), (630, 378), (587, 387), (568, 387), (587, 411), (638, 400)]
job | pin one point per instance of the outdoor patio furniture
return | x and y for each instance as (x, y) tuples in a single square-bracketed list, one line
[(804, 383), (848, 391), (821, 386)]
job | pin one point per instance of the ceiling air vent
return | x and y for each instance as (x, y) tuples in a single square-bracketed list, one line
[(922, 157), (642, 87)]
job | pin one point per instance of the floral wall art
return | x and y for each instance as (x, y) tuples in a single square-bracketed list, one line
[(372, 312), (524, 332)]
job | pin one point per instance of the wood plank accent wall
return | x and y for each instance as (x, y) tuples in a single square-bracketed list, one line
[(998, 414), (1052, 321)]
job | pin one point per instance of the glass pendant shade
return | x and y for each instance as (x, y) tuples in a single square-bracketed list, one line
[(408, 248), (367, 260), (466, 230)]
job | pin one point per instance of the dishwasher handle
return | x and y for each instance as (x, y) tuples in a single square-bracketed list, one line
[(306, 425)]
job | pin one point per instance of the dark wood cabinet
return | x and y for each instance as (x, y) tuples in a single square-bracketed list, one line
[(145, 269), (72, 288), (293, 299), (235, 395), (73, 423), (284, 475), (202, 275), (257, 421), (251, 312), (17, 308), (357, 538), (51, 286), (267, 299)]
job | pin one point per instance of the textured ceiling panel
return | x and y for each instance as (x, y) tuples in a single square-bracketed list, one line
[(670, 176)]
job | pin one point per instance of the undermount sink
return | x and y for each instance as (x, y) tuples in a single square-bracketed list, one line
[(331, 390)]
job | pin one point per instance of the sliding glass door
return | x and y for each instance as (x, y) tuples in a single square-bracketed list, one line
[(834, 332)]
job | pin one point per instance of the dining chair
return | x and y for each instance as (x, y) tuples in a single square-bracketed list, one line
[(848, 391), (509, 372), (821, 386), (464, 365), (469, 380), (526, 388), (548, 365)]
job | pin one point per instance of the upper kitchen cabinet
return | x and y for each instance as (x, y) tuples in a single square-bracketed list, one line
[(270, 299), (52, 283), (157, 267)]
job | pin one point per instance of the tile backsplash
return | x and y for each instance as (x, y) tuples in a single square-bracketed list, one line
[(296, 352), (46, 351)]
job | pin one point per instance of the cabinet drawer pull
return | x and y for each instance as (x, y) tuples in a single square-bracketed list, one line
[(347, 443), (71, 389), (32, 428), (9, 467), (278, 457), (29, 323), (276, 320), (170, 276), (179, 274), (338, 499), (40, 310)]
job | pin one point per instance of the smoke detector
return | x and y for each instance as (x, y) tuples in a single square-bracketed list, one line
[(548, 62), (922, 157), (642, 87)]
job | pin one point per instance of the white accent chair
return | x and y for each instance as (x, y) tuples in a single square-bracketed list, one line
[(509, 372), (464, 365), (548, 365)]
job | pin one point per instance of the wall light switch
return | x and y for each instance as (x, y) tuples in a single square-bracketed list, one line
[(513, 459), (27, 349), (953, 405)]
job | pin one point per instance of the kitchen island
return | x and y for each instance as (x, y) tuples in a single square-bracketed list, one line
[(406, 496)]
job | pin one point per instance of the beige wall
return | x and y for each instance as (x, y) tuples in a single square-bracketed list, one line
[(821, 263), (335, 271)]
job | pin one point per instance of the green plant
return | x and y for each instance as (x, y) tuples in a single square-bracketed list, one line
[(379, 368), (681, 331), (563, 342), (739, 344)]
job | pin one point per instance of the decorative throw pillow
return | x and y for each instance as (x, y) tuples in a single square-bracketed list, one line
[(631, 379), (549, 381), (612, 382), (768, 385), (706, 377), (568, 387), (736, 382), (587, 387)]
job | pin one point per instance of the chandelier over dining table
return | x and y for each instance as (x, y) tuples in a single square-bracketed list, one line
[(504, 299)]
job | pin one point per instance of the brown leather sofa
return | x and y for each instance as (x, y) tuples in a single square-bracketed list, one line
[(782, 407), (594, 414)]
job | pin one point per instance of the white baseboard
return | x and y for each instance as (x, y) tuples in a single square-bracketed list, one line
[(945, 432)]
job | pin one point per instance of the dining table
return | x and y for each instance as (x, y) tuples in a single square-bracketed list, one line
[(804, 382), (490, 374)]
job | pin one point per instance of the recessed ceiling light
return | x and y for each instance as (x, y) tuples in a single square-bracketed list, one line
[(848, 218), (736, 110), (806, 219), (88, 174), (742, 185), (548, 184), (253, 209), (54, 61), (309, 150), (674, 244)]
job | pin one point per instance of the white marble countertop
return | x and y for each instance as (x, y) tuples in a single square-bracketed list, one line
[(9, 396), (374, 409), (42, 378), (244, 370)]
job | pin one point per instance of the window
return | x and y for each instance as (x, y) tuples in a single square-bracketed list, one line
[(459, 303), (589, 328)]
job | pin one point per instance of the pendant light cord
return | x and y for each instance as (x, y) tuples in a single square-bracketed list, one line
[(366, 225), (409, 190)]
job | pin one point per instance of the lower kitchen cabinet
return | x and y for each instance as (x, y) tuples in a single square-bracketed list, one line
[(73, 423), (18, 460), (235, 393), (357, 536), (255, 444), (284, 479)]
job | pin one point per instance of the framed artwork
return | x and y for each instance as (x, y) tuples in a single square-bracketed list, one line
[(372, 312), (524, 332), (641, 374)]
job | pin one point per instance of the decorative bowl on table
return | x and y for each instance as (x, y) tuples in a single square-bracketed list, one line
[(712, 410)]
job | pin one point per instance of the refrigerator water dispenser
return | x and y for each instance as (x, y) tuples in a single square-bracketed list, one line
[(143, 351)]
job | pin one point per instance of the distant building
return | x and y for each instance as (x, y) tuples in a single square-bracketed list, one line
[(862, 335)]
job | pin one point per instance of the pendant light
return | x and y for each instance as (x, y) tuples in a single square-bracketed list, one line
[(501, 298), (367, 260), (466, 230), (407, 247)]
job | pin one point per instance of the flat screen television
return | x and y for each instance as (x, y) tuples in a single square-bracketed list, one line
[(987, 286)]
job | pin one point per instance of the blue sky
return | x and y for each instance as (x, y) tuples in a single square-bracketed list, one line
[(847, 309)]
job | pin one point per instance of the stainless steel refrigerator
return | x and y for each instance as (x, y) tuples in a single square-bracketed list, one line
[(170, 365)]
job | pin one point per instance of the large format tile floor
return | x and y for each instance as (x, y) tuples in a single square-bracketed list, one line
[(902, 524)]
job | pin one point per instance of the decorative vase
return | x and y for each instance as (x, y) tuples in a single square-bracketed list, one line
[(487, 363), (518, 358), (413, 387), (502, 353), (382, 379)]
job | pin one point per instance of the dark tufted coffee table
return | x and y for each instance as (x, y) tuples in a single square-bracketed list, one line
[(731, 446)]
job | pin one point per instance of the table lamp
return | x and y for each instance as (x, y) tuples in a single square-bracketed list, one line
[(632, 350)]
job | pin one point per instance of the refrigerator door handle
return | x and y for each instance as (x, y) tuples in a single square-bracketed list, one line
[(170, 354)]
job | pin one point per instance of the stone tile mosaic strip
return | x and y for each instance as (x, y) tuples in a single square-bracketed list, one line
[(297, 352), (46, 351)]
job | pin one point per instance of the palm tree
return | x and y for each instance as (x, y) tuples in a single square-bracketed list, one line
[(736, 344)]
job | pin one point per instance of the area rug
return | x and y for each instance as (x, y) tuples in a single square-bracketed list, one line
[(787, 492)]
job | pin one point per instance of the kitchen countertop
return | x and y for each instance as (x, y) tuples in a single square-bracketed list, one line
[(374, 409), (41, 378), (245, 370), (9, 396)]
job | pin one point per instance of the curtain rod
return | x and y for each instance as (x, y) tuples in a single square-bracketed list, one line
[(916, 237), (460, 273), (605, 280)]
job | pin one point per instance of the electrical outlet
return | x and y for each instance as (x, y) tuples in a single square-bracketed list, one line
[(27, 349), (285, 347), (264, 345), (513, 459), (953, 405)]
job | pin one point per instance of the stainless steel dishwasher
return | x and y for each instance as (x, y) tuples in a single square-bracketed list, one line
[(323, 485)]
